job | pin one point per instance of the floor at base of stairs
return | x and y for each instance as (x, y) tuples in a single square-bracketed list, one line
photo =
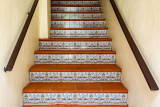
[(60, 105)]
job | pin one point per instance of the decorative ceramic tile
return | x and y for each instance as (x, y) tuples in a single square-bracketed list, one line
[(78, 24), (75, 76), (76, 16), (75, 98), (76, 9), (75, 2), (89, 45), (79, 33), (75, 58)]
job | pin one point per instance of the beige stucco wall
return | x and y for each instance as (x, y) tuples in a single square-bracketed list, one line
[(143, 20), (13, 14), (45, 18)]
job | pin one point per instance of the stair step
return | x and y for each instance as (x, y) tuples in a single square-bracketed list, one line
[(71, 2), (77, 73), (75, 39), (75, 67), (53, 5), (75, 57), (75, 93), (68, 105), (76, 9), (105, 28), (78, 24), (74, 52), (75, 76), (79, 33), (77, 19), (70, 12), (98, 87), (75, 44), (77, 16)]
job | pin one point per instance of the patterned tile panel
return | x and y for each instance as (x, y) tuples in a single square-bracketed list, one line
[(76, 9), (75, 98), (76, 16), (75, 2), (78, 24), (79, 33), (75, 76), (89, 45), (75, 58)]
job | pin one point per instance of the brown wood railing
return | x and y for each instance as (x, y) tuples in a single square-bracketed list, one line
[(145, 70), (18, 45)]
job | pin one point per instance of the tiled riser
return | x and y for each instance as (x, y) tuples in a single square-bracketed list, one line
[(78, 24), (75, 2), (79, 33), (75, 76), (45, 45), (75, 58), (75, 98), (76, 9), (76, 16)]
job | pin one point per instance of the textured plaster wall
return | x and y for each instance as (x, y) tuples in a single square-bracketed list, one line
[(45, 18), (13, 14), (143, 20)]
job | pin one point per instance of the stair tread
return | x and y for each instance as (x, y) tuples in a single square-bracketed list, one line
[(77, 12), (76, 39), (74, 52), (68, 87), (79, 28), (75, 68), (53, 5), (77, 19), (68, 105)]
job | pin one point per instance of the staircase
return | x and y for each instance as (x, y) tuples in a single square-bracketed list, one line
[(76, 66)]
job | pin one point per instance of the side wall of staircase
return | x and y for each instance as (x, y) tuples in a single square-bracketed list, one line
[(13, 15), (142, 19)]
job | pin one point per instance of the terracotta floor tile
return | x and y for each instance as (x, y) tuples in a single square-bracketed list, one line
[(75, 87), (113, 87), (88, 87), (32, 87), (63, 87), (75, 67), (44, 87)]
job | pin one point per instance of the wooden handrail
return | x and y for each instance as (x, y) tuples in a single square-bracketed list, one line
[(145, 70), (18, 45)]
